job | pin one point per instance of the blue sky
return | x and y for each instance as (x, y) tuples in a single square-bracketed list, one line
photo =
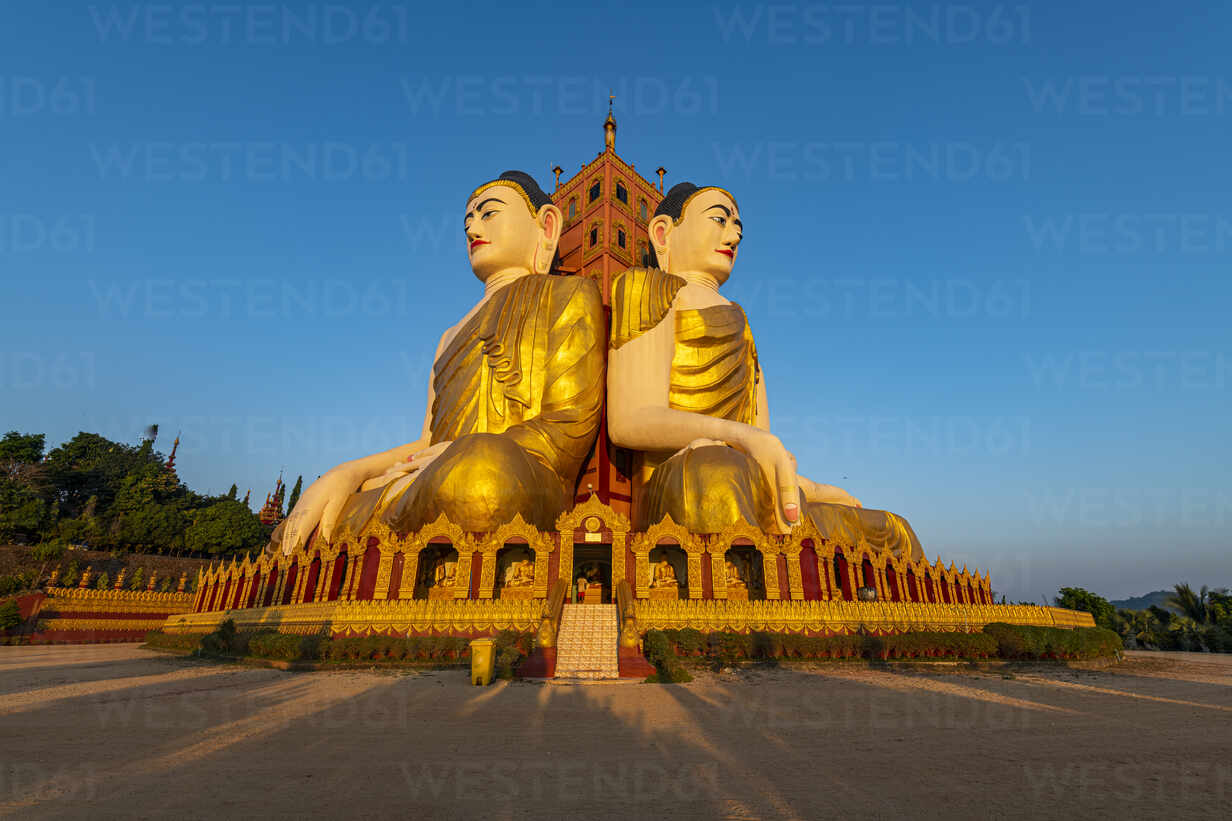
[(986, 257)]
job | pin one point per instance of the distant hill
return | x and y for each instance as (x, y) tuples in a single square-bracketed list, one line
[(1159, 598)]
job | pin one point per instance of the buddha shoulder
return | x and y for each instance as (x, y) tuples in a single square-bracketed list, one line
[(641, 297)]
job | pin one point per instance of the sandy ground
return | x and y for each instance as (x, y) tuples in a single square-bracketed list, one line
[(116, 731)]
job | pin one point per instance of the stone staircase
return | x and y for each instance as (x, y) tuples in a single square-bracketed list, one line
[(586, 642)]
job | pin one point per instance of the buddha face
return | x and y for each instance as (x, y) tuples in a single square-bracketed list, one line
[(705, 241), (503, 234)]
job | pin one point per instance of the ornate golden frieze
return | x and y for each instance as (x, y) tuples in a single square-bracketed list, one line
[(845, 616), (106, 601), (78, 625), (399, 616)]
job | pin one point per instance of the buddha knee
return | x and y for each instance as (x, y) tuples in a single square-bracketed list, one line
[(480, 482), (708, 488)]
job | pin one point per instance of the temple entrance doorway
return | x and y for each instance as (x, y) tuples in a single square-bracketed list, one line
[(591, 582)]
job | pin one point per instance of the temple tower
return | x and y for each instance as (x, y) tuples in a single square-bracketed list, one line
[(607, 206)]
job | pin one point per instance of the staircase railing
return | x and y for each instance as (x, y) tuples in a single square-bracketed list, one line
[(550, 626), (625, 615)]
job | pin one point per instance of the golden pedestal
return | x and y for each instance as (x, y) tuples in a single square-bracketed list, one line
[(437, 593), (737, 594), (593, 595), (664, 594), (517, 593)]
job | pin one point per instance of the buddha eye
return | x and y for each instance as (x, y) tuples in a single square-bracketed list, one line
[(719, 220), (487, 214)]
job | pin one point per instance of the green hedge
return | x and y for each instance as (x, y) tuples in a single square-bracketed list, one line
[(660, 652), (1015, 641), (511, 647), (664, 648), (177, 642)]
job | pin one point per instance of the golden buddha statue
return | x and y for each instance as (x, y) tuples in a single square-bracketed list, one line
[(445, 572), (734, 575), (687, 393), (520, 573), (664, 575), (514, 400)]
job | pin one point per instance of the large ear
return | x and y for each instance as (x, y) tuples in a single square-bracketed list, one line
[(659, 229), (550, 221)]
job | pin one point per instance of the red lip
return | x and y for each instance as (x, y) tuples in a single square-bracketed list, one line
[(729, 253), (476, 243)]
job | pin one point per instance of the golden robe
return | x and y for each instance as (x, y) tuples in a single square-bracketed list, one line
[(715, 372), (519, 392)]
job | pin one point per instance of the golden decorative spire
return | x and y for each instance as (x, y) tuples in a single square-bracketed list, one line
[(609, 127)]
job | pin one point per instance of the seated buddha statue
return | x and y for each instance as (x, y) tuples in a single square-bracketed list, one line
[(520, 573), (514, 399), (664, 575), (733, 575), (686, 392), (445, 573)]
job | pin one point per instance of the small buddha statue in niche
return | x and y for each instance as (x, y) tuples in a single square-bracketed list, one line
[(664, 575), (520, 573), (686, 392), (734, 575), (445, 572), (514, 400)]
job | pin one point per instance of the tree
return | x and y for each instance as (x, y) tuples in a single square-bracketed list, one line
[(1192, 605), (25, 506), (234, 492), (137, 582), (295, 491), (71, 575), (22, 448), (227, 526), (10, 615), (104, 582), (1075, 598)]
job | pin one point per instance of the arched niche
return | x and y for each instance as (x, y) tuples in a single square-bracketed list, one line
[(437, 571), (744, 573), (668, 571)]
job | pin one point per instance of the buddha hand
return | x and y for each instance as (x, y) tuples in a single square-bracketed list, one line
[(412, 464), (320, 505), (816, 492), (779, 468)]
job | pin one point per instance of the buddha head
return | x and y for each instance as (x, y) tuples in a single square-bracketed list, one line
[(511, 225), (696, 229)]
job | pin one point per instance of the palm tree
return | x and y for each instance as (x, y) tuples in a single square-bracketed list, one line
[(1193, 605)]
